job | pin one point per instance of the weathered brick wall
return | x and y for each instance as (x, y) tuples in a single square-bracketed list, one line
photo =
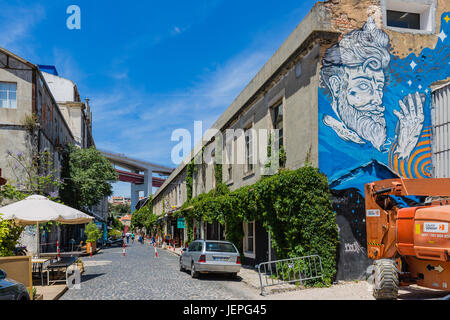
[(347, 15)]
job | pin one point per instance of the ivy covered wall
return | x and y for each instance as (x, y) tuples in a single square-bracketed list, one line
[(293, 206)]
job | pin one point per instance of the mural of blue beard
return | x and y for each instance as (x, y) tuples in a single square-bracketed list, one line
[(374, 124)]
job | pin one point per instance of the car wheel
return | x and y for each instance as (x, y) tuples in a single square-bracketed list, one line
[(194, 274), (181, 266)]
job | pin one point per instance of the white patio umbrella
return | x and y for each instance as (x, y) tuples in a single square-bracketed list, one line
[(38, 209)]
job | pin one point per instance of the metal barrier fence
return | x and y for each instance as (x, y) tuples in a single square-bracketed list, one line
[(289, 271)]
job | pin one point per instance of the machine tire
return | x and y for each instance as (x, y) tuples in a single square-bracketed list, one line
[(386, 282)]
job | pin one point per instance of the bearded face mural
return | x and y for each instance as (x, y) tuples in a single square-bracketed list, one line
[(353, 72), (374, 124), (374, 107)]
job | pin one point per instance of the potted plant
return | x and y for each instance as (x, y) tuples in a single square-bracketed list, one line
[(80, 265), (37, 296), (93, 234)]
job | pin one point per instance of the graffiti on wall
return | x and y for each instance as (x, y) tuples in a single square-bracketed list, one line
[(375, 108), (374, 124)]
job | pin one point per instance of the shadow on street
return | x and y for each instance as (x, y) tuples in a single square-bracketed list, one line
[(88, 277), (414, 293), (216, 277)]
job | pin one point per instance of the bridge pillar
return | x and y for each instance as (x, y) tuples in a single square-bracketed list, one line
[(148, 182), (134, 197), (134, 194)]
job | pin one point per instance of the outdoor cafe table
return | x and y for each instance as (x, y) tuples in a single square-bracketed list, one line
[(64, 263), (39, 264), (54, 255)]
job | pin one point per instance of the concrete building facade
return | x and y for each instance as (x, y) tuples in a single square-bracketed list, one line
[(24, 95), (76, 112), (352, 90), (40, 111)]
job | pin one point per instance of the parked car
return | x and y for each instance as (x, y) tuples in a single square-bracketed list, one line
[(208, 256), (111, 242), (11, 289)]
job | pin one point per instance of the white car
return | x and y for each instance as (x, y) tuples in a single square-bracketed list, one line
[(208, 256)]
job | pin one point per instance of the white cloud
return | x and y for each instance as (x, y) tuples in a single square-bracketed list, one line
[(17, 23), (215, 91), (129, 121)]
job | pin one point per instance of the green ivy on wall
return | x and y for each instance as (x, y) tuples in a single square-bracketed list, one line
[(281, 154), (294, 206), (218, 173)]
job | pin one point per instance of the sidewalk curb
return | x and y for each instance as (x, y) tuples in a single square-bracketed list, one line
[(172, 252), (86, 254), (59, 295)]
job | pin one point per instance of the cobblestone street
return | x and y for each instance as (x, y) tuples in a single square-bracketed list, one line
[(141, 276)]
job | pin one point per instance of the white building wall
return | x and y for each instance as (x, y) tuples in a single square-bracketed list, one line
[(61, 88)]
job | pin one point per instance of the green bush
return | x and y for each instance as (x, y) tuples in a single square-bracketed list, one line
[(116, 234), (92, 232), (9, 236)]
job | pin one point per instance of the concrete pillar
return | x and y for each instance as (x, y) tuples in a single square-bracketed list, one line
[(148, 182), (134, 197)]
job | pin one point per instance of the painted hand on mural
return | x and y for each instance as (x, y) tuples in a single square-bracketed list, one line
[(410, 124)]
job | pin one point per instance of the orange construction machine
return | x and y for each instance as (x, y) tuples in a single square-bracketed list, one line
[(410, 245)]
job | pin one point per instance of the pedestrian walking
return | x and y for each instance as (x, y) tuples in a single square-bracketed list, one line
[(132, 238)]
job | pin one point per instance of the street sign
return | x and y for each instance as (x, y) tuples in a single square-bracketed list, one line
[(181, 223)]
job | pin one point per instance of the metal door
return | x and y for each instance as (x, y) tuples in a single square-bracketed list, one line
[(441, 131)]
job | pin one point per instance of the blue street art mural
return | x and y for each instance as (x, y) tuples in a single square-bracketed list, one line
[(375, 108), (374, 124)]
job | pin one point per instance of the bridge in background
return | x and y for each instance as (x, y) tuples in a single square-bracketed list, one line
[(140, 175)]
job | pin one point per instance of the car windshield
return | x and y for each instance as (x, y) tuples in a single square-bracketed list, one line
[(220, 247)]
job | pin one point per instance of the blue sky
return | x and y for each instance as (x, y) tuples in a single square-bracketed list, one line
[(150, 67)]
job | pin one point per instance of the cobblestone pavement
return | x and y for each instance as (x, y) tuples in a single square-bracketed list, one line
[(141, 276)]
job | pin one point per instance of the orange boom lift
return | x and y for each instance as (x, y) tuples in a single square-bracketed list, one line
[(409, 245)]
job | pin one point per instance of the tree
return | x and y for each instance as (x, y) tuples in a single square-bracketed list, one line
[(9, 231), (114, 222), (87, 177), (120, 209), (34, 174), (9, 235), (144, 217), (10, 193)]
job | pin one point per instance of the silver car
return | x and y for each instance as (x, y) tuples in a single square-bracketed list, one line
[(208, 256), (12, 290)]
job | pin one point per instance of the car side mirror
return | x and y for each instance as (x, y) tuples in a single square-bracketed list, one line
[(2, 274)]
